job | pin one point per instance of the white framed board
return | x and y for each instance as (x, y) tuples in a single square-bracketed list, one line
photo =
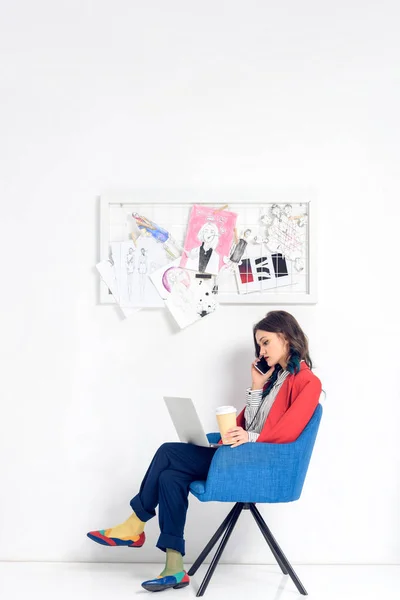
[(282, 238)]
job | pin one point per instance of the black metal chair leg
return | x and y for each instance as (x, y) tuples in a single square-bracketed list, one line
[(237, 510), (277, 550), (271, 547), (204, 553)]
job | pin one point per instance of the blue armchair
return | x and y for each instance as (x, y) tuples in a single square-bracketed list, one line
[(250, 473)]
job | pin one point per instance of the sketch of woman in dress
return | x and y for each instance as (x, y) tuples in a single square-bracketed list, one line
[(236, 255), (142, 270), (204, 258), (130, 269)]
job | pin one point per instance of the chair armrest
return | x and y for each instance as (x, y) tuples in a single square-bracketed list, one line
[(254, 472)]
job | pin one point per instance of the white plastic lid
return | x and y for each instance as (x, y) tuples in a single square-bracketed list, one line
[(224, 410)]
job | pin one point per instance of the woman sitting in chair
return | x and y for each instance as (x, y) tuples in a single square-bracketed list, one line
[(279, 405)]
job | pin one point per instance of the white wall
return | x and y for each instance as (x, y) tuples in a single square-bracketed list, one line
[(125, 94)]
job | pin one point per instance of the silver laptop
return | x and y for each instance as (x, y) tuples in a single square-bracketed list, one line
[(186, 420)]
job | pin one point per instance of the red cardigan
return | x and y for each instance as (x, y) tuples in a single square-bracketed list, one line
[(292, 409)]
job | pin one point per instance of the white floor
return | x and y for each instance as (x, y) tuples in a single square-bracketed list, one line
[(101, 581)]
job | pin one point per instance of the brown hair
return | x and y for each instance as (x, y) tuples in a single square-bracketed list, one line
[(280, 321)]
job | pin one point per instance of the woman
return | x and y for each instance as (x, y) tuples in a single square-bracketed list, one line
[(279, 405)]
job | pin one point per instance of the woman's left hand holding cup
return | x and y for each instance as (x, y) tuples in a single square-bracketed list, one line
[(238, 436)]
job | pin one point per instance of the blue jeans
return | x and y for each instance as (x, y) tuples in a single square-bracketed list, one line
[(166, 484)]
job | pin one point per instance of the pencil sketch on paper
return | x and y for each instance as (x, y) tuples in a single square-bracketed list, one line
[(142, 270), (130, 270), (206, 297), (187, 297), (106, 268), (285, 233), (239, 248), (236, 253), (131, 264), (158, 233)]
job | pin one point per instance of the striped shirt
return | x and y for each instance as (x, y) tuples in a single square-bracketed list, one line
[(253, 401)]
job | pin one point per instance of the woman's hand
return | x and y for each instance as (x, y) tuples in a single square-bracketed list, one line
[(237, 435), (258, 380)]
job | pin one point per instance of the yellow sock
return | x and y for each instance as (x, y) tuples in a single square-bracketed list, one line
[(173, 563), (127, 530)]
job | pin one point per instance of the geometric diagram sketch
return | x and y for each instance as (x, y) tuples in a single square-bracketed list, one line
[(285, 233), (265, 253)]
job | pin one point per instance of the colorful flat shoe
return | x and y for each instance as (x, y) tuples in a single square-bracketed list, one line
[(101, 537), (159, 584)]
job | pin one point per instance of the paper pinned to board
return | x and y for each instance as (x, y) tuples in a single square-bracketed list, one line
[(107, 273), (261, 272), (189, 296), (208, 239), (133, 263), (285, 232)]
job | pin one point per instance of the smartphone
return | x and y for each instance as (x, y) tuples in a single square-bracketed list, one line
[(262, 366)]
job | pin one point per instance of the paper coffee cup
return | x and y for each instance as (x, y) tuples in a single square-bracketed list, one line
[(226, 418)]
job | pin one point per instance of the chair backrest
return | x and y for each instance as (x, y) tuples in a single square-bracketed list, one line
[(304, 447)]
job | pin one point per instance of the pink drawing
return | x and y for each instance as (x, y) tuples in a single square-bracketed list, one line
[(208, 240), (175, 277)]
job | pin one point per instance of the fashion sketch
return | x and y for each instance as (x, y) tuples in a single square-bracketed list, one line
[(133, 264), (204, 258), (177, 282), (239, 249), (142, 270), (158, 233), (187, 295), (208, 239), (130, 270), (237, 252)]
